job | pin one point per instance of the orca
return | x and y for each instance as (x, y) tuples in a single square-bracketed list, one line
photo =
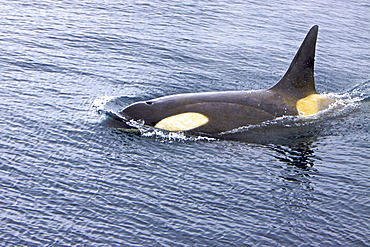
[(212, 113)]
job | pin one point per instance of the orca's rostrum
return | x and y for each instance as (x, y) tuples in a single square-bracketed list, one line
[(217, 112)]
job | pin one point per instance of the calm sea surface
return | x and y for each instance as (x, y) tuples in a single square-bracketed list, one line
[(67, 179)]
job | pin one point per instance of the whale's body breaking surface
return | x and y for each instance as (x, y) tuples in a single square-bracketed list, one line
[(217, 112)]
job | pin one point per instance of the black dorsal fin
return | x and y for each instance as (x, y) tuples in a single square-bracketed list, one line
[(299, 80)]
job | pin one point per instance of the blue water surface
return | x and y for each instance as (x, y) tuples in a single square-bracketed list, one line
[(67, 179)]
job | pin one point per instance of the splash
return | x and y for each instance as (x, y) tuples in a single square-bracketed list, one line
[(172, 136), (163, 135), (100, 103), (361, 92)]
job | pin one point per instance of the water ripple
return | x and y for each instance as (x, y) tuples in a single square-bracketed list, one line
[(66, 179)]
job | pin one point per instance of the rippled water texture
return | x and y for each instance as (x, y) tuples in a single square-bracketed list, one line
[(66, 179)]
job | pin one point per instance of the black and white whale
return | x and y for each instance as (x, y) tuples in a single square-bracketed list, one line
[(216, 112)]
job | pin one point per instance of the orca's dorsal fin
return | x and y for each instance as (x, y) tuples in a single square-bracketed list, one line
[(299, 79)]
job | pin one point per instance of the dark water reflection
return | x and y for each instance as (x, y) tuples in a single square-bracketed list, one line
[(301, 156), (298, 163)]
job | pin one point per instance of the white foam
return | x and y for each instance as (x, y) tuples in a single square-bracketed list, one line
[(101, 102), (171, 136)]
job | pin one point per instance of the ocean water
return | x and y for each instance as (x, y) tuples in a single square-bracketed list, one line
[(68, 179)]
